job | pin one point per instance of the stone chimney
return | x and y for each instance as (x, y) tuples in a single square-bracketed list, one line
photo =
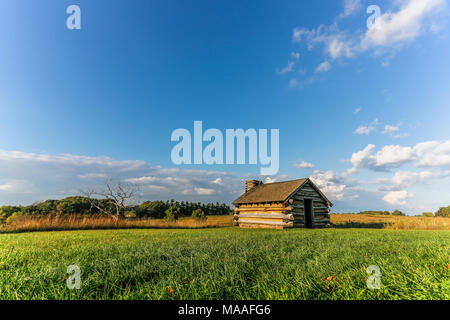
[(249, 184)]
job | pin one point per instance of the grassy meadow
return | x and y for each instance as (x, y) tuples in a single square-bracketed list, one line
[(49, 223), (389, 222), (226, 263)]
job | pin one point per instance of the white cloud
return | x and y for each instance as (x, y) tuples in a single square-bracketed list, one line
[(267, 179), (350, 172), (339, 48), (323, 67), (287, 69), (400, 135), (17, 186), (333, 185), (388, 129), (390, 156), (425, 154), (405, 179), (435, 28), (293, 83), (295, 55), (391, 30), (142, 180), (303, 165), (405, 25), (28, 177), (297, 34), (329, 183), (70, 159), (5, 187), (393, 131), (270, 180), (393, 156), (365, 129), (204, 191), (336, 43), (93, 176), (351, 7), (397, 197), (156, 189), (363, 158), (368, 128), (426, 147), (433, 154)]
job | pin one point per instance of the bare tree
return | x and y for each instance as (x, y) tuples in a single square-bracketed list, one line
[(117, 196)]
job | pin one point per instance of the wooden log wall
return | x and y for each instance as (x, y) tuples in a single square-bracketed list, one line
[(264, 215), (321, 211)]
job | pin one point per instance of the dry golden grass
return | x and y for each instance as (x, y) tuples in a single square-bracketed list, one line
[(389, 222), (338, 221), (28, 224)]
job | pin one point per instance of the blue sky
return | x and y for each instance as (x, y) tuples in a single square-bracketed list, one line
[(362, 112)]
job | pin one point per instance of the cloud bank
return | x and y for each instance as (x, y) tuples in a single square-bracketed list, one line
[(393, 29), (29, 177)]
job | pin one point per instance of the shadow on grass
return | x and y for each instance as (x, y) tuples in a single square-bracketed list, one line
[(363, 225)]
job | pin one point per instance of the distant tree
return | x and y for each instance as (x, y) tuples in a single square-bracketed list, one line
[(199, 215), (443, 212), (73, 206), (428, 214), (153, 209), (15, 216), (3, 218), (7, 211), (130, 214), (173, 213), (226, 209), (114, 199), (371, 212), (183, 208), (398, 213)]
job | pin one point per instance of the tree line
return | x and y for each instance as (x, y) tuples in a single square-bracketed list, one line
[(442, 212), (84, 206), (384, 213)]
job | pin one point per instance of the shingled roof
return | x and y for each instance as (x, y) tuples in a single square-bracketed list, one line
[(274, 192)]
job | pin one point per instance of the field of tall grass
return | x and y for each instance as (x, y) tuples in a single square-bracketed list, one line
[(48, 223), (389, 222), (226, 263)]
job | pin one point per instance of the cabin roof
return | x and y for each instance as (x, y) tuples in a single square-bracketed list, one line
[(275, 192)]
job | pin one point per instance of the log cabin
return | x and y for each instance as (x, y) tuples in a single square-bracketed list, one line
[(280, 205)]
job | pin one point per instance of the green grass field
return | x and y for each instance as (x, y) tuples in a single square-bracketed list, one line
[(226, 263)]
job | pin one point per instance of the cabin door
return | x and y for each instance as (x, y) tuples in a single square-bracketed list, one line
[(308, 213)]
